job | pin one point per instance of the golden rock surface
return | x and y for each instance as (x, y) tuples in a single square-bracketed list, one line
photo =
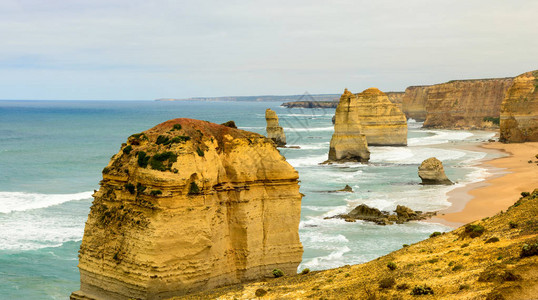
[(519, 110), (190, 205), (274, 130), (348, 142), (456, 104), (383, 123)]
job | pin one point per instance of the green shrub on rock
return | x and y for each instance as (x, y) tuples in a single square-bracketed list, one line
[(387, 283), (392, 266), (278, 273), (529, 250), (422, 290), (305, 271), (474, 230), (437, 233)]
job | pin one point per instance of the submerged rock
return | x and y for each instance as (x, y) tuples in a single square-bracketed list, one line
[(371, 214), (274, 131), (347, 188), (348, 142), (431, 171), (186, 206), (519, 110)]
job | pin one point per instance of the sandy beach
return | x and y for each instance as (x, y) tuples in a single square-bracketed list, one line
[(513, 174)]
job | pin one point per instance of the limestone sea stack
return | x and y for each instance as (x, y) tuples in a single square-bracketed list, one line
[(431, 171), (274, 131), (348, 142), (383, 123), (519, 110), (189, 205)]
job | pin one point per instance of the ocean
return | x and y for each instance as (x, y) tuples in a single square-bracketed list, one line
[(52, 154)]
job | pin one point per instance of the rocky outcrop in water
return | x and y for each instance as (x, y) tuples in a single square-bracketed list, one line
[(519, 110), (457, 104), (274, 131), (396, 98), (189, 205), (371, 214), (348, 142), (431, 171), (383, 123)]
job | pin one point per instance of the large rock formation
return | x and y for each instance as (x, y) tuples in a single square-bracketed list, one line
[(457, 103), (274, 131), (431, 171), (348, 142), (383, 123), (189, 205), (519, 110), (414, 102)]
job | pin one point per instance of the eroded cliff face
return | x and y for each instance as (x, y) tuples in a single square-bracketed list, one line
[(457, 103), (274, 130), (189, 205), (348, 142), (465, 103), (396, 98), (383, 123), (519, 110), (414, 102)]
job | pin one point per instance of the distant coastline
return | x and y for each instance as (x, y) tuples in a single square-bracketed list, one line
[(263, 98)]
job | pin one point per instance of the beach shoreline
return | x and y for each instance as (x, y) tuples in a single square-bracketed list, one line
[(511, 175)]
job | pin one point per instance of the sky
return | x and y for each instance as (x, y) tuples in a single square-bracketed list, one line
[(133, 49)]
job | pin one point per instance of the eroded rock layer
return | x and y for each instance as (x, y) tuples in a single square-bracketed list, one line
[(383, 123), (189, 205), (457, 103), (519, 110), (274, 130), (348, 142)]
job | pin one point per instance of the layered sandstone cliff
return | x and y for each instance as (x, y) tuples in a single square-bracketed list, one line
[(189, 205), (414, 102), (383, 123), (274, 130), (396, 98), (457, 103), (348, 142), (519, 110)]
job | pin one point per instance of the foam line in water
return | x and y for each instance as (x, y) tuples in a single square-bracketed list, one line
[(440, 137), (20, 201), (333, 260), (308, 129)]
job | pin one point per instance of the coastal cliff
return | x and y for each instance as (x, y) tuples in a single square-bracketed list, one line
[(493, 258), (414, 102), (348, 142), (382, 122), (189, 205), (519, 110), (396, 98), (457, 103), (274, 130)]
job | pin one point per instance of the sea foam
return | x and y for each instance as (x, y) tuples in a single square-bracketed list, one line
[(20, 201)]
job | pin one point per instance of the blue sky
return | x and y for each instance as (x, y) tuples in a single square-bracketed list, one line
[(134, 49)]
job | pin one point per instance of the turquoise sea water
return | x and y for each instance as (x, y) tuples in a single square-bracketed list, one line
[(52, 154)]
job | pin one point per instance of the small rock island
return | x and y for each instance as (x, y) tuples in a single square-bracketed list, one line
[(190, 205)]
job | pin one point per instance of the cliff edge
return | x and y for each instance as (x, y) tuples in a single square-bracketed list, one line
[(519, 110), (189, 205)]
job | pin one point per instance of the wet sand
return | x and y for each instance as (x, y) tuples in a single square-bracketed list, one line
[(512, 175)]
